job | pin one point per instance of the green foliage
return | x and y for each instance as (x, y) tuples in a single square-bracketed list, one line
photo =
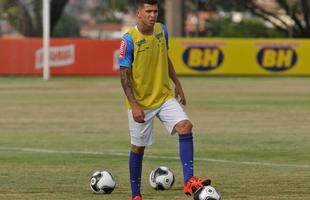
[(68, 26), (26, 17), (246, 28), (109, 9), (109, 19), (298, 11), (231, 5), (119, 5), (12, 12)]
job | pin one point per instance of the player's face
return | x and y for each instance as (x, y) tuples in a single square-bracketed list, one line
[(148, 14)]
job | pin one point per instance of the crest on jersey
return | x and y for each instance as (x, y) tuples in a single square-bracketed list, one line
[(140, 42), (159, 35), (122, 50)]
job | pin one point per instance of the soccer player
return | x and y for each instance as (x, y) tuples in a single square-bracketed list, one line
[(145, 71)]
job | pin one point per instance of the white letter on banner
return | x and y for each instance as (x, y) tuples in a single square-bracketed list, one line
[(60, 56)]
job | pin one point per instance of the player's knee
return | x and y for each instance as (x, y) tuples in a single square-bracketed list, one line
[(184, 127), (137, 149)]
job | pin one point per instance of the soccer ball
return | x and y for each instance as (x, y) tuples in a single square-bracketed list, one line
[(207, 193), (102, 182), (161, 178)]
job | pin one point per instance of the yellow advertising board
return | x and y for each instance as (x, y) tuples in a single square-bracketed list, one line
[(202, 56)]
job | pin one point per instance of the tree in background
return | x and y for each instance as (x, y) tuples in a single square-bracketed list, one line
[(291, 17), (297, 10), (67, 26), (110, 10), (247, 28), (26, 15)]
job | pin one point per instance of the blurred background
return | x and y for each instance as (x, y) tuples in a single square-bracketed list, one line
[(106, 19), (207, 37)]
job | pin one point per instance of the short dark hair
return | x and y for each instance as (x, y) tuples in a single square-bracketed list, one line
[(140, 3)]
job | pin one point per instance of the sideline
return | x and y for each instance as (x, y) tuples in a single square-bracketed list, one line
[(123, 154)]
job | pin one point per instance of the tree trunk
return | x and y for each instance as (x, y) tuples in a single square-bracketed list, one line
[(57, 8), (174, 17)]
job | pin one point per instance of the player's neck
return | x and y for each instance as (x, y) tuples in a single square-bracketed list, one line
[(145, 30)]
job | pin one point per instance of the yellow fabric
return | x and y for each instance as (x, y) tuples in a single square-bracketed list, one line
[(150, 73)]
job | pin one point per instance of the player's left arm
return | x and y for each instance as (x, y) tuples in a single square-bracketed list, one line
[(179, 94)]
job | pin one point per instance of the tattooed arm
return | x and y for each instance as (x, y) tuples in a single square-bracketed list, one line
[(137, 111)]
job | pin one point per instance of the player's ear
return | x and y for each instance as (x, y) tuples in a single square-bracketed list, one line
[(138, 12)]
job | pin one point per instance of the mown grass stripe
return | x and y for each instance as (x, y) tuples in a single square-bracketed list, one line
[(125, 154)]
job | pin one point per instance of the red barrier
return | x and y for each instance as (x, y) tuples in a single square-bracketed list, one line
[(67, 57)]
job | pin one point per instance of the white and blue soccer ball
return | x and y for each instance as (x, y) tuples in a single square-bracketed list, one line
[(102, 182), (161, 178), (207, 193)]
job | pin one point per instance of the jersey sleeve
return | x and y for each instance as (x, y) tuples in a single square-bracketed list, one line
[(125, 57), (164, 27)]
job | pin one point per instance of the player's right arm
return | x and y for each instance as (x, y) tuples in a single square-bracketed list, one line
[(137, 111), (125, 59)]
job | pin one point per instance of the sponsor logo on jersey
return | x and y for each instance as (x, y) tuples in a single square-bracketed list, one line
[(277, 58), (205, 58), (140, 42), (122, 50)]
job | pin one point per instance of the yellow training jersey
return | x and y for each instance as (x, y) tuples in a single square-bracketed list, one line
[(147, 57)]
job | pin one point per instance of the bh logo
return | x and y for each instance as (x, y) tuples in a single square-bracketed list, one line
[(277, 59), (203, 58)]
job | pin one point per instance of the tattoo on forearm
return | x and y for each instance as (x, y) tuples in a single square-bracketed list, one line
[(126, 84)]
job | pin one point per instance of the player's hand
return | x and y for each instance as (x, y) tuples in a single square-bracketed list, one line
[(179, 94), (138, 113)]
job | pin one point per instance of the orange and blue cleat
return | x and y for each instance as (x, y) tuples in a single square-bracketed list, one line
[(194, 183)]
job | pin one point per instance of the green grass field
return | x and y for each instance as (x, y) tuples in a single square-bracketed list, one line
[(252, 138)]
